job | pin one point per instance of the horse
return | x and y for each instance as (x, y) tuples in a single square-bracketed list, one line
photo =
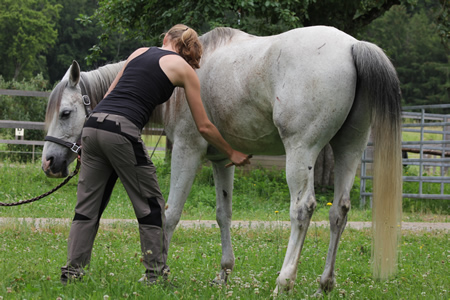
[(291, 93)]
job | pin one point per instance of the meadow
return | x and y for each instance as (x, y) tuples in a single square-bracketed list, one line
[(257, 195), (31, 257), (30, 261)]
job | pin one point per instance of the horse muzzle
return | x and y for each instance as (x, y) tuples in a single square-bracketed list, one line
[(55, 167), (55, 171)]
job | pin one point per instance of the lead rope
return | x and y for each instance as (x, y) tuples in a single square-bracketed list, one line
[(157, 142), (77, 168), (72, 146)]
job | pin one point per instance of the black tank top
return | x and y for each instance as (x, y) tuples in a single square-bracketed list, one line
[(142, 87)]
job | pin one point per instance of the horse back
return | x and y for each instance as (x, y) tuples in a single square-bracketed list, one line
[(257, 89)]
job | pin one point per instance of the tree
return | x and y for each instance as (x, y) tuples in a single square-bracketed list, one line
[(26, 32), (145, 20), (411, 38), (76, 35)]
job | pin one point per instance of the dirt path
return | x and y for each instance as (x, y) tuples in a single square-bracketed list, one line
[(412, 226)]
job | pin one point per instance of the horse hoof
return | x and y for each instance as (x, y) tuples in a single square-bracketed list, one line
[(327, 285), (318, 294), (219, 280)]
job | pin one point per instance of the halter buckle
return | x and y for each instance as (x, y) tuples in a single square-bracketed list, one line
[(75, 148), (86, 100)]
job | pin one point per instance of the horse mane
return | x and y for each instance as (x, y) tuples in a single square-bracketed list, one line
[(220, 36), (93, 83), (96, 83)]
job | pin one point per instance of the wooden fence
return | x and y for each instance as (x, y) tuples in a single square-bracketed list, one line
[(277, 162), (20, 126)]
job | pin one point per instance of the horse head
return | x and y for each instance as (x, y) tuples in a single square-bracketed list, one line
[(64, 120)]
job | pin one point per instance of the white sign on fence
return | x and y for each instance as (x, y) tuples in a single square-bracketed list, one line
[(20, 131)]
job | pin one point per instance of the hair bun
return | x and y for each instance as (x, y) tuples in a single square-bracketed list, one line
[(186, 42)]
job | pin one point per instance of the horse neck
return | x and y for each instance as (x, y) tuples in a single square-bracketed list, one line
[(96, 83)]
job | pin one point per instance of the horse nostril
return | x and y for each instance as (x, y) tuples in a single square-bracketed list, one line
[(46, 165)]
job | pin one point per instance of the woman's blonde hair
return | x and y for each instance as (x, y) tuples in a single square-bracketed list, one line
[(185, 40)]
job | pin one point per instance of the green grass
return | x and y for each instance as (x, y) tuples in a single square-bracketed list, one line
[(30, 258), (415, 136), (257, 195), (30, 261)]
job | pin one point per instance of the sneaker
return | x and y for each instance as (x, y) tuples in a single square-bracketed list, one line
[(69, 274), (152, 278), (148, 279)]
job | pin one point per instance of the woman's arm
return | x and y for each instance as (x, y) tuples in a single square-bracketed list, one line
[(181, 74), (204, 125)]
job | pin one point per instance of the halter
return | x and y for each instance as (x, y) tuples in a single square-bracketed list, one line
[(74, 147)]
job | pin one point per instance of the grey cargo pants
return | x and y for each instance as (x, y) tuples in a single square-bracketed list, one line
[(112, 148)]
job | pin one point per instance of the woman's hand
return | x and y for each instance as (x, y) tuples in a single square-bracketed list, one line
[(239, 159)]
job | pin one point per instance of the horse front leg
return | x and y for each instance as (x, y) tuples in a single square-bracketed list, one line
[(185, 163), (300, 178), (223, 180)]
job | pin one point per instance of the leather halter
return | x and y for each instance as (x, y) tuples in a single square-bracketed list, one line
[(74, 147)]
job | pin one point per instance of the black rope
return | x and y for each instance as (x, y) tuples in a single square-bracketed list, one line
[(77, 168)]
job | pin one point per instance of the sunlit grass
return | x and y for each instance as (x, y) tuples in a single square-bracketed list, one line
[(30, 261), (30, 258), (408, 136)]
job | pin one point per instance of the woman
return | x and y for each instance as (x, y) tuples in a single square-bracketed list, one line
[(112, 148)]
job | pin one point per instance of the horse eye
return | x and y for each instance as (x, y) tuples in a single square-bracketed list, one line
[(65, 114)]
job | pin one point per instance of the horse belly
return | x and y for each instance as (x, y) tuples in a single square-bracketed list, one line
[(238, 100)]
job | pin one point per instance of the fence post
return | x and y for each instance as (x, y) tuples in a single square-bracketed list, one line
[(446, 137)]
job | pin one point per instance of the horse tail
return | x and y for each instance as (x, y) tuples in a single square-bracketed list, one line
[(378, 80)]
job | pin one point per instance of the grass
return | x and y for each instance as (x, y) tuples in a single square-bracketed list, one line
[(256, 196), (415, 136), (30, 261), (30, 257)]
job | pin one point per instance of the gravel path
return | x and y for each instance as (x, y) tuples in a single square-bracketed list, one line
[(411, 226)]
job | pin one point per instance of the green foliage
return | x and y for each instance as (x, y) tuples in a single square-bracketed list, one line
[(146, 20), (410, 38), (443, 23), (44, 36), (20, 108), (26, 33), (77, 35)]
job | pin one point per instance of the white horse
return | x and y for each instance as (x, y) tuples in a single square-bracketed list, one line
[(290, 94)]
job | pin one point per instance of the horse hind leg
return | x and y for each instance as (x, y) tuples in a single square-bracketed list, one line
[(348, 145), (300, 178)]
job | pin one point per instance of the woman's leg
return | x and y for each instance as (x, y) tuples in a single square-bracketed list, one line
[(95, 185)]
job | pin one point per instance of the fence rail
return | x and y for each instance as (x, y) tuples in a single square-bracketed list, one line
[(277, 162), (24, 93), (434, 155)]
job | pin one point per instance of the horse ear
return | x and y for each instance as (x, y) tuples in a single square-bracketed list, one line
[(74, 75)]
